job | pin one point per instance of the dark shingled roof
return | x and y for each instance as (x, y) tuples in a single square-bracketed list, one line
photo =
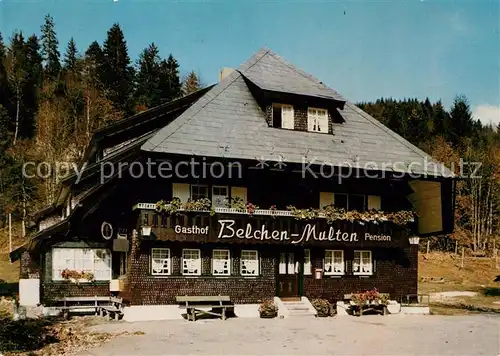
[(227, 122)]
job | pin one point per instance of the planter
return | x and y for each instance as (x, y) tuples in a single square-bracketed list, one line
[(268, 315)]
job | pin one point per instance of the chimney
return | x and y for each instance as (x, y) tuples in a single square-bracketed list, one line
[(224, 73)]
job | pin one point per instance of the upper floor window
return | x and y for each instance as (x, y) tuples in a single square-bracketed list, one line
[(199, 192), (350, 201), (283, 116), (317, 120), (219, 196)]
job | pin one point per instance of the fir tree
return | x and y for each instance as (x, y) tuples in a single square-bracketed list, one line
[(170, 83), (4, 81), (32, 87), (118, 75), (50, 49), (191, 83), (461, 121), (71, 55), (148, 77)]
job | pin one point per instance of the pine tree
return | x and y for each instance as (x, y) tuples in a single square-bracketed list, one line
[(4, 81), (148, 77), (34, 71), (441, 120), (71, 56), (118, 75), (50, 49), (461, 121), (170, 83), (191, 83), (94, 64)]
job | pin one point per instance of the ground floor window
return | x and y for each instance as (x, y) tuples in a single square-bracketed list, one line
[(249, 263), (160, 261), (307, 262), (334, 262), (221, 263), (191, 262), (362, 264), (95, 261)]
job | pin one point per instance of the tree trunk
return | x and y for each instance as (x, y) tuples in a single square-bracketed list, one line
[(18, 104)]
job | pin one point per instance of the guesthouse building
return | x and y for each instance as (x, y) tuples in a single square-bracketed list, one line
[(268, 184)]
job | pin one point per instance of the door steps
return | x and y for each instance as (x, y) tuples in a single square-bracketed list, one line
[(298, 307)]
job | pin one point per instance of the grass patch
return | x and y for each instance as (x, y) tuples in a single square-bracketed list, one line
[(442, 272)]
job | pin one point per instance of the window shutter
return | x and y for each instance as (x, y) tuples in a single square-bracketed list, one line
[(240, 192), (181, 191), (287, 121), (326, 198), (374, 202)]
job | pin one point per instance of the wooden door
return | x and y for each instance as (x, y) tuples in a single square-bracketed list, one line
[(288, 275)]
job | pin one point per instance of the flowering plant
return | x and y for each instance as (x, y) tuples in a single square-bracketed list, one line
[(323, 307), (76, 276), (268, 308), (369, 297)]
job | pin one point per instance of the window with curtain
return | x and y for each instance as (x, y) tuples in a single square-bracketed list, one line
[(307, 262), (334, 262), (362, 263), (221, 263), (191, 262), (249, 263), (160, 261)]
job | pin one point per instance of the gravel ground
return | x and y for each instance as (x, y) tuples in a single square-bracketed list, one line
[(368, 335)]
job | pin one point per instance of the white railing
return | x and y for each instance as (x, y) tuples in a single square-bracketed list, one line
[(152, 206)]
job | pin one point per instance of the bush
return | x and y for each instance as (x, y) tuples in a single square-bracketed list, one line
[(25, 335), (323, 307), (268, 308)]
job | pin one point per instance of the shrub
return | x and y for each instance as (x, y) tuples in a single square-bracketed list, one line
[(268, 308), (25, 335), (323, 307)]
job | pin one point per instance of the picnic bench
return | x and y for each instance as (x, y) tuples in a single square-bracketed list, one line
[(110, 306), (197, 305), (359, 310)]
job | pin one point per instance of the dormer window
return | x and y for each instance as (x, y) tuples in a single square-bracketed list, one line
[(317, 120), (283, 116)]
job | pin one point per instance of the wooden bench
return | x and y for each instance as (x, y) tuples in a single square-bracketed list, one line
[(194, 305), (111, 306)]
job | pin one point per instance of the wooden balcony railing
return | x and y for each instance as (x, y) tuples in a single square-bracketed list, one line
[(262, 226)]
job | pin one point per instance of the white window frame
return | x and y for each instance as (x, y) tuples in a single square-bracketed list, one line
[(167, 259), (214, 272), (314, 120), (198, 186), (257, 270), (365, 269), (198, 262), (73, 258), (290, 111), (332, 261), (307, 262), (225, 203)]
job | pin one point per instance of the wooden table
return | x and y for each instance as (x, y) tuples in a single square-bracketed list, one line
[(194, 305)]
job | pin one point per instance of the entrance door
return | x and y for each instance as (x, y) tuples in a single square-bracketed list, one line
[(288, 275)]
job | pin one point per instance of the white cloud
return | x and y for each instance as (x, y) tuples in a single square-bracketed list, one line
[(487, 114)]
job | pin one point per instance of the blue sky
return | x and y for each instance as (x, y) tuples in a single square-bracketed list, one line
[(363, 49)]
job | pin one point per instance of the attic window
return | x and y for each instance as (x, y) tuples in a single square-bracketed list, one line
[(283, 116), (317, 120)]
